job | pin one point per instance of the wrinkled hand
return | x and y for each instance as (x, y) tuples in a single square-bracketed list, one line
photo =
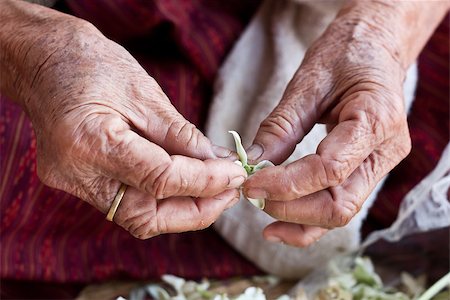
[(100, 120), (352, 82)]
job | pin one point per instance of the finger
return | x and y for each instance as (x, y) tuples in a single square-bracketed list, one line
[(289, 122), (338, 155), (199, 214), (297, 235), (178, 136), (336, 206), (144, 216), (159, 121), (135, 161)]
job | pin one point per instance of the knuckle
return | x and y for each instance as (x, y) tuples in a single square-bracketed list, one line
[(283, 123), (206, 188), (336, 172), (339, 218), (142, 227), (110, 128), (158, 181), (166, 179), (101, 138), (279, 211), (291, 184), (342, 220), (288, 186), (383, 116), (284, 213), (342, 210), (390, 117), (183, 133), (378, 122), (188, 134)]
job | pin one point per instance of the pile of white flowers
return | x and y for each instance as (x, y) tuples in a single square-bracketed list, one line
[(182, 289), (358, 282)]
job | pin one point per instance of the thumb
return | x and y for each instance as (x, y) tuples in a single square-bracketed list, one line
[(284, 128)]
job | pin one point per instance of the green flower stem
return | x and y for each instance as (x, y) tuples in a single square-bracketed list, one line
[(250, 169), (436, 288)]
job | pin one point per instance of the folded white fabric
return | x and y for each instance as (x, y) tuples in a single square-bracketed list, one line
[(249, 85), (424, 208)]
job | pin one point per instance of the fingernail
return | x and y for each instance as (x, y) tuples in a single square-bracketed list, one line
[(256, 193), (236, 182), (254, 152), (221, 152), (232, 203), (273, 239)]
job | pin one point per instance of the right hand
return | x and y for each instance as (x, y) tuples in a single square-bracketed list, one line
[(100, 120)]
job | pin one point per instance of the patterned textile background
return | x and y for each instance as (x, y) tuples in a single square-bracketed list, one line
[(48, 235)]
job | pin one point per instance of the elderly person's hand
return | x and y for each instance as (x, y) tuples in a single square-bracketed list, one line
[(101, 120), (351, 79)]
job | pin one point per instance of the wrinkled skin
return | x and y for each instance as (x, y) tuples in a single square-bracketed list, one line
[(100, 120), (355, 88)]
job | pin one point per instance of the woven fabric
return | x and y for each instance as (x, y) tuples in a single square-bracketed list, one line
[(48, 235)]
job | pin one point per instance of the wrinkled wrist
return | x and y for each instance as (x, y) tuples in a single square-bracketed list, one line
[(350, 53), (370, 52), (400, 27), (369, 40), (372, 29)]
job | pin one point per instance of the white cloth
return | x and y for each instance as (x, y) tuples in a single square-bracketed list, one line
[(249, 85), (424, 208)]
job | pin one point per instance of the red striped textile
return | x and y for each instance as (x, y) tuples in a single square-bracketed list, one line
[(48, 235)]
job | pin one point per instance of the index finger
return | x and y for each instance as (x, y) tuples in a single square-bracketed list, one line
[(336, 206), (138, 162)]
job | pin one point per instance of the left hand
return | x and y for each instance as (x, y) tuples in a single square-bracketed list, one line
[(351, 80), (100, 120)]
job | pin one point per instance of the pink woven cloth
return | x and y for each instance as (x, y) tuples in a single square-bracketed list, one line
[(48, 235)]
